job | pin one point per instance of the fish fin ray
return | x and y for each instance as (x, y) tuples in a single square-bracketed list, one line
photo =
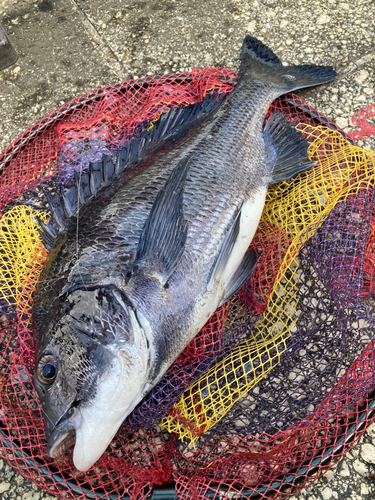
[(96, 176), (171, 126), (241, 275), (259, 62), (82, 184), (174, 123), (225, 249), (108, 168), (121, 160), (69, 197), (165, 231), (288, 148), (47, 233), (307, 75), (254, 52), (178, 119), (57, 211)]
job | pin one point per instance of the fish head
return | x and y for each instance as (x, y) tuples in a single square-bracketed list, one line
[(91, 369)]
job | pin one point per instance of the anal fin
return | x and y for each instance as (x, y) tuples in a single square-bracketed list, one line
[(287, 147), (242, 274), (225, 249)]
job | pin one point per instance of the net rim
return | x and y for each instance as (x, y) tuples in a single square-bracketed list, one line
[(162, 492), (45, 123)]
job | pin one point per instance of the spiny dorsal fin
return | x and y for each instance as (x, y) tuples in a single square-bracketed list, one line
[(287, 148), (57, 211), (108, 168), (121, 160), (83, 187), (70, 201), (47, 233), (96, 176), (171, 125)]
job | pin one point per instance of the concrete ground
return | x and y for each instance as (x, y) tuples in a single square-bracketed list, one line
[(68, 47)]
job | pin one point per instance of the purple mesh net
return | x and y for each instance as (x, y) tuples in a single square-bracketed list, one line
[(335, 326)]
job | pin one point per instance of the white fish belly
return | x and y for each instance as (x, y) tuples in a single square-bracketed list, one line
[(250, 217)]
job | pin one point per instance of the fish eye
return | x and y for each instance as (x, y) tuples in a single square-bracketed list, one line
[(47, 370)]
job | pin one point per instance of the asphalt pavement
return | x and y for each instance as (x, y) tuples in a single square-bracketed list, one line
[(68, 47)]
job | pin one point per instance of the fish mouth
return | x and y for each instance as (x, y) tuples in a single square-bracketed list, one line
[(62, 437), (64, 444)]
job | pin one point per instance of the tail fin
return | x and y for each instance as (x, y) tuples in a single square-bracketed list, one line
[(259, 62)]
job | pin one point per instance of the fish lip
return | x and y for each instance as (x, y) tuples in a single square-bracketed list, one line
[(63, 436)]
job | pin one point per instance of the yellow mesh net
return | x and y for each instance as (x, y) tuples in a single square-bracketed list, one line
[(22, 255), (299, 207)]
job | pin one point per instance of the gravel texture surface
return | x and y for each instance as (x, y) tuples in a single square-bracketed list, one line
[(68, 47)]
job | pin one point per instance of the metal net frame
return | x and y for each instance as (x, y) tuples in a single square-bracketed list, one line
[(280, 381)]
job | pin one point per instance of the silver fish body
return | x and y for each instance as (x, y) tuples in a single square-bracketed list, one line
[(146, 266)]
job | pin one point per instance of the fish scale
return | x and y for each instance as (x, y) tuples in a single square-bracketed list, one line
[(160, 243), (134, 202)]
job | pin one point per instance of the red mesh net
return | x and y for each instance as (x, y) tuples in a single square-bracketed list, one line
[(232, 458)]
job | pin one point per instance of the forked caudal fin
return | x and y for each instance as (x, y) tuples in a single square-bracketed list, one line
[(260, 63)]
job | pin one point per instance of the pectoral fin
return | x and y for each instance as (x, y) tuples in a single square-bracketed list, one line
[(164, 235)]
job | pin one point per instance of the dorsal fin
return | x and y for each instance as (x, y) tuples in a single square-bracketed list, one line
[(108, 168), (70, 201), (57, 211), (47, 233), (82, 183), (121, 160), (171, 126), (96, 177)]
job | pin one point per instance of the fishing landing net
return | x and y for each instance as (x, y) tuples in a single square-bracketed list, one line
[(280, 381)]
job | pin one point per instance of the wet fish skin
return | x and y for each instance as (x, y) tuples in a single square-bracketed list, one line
[(122, 297)]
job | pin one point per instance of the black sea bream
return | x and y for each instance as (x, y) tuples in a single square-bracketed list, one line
[(152, 255)]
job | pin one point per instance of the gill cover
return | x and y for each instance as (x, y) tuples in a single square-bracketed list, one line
[(119, 390), (101, 360)]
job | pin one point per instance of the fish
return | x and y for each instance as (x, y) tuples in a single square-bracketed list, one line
[(141, 257)]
